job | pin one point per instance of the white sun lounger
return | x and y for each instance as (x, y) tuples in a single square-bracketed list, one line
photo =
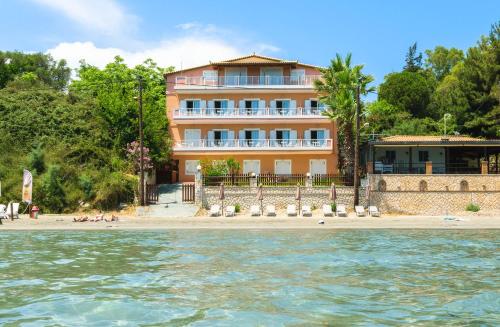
[(306, 211), (271, 210), (291, 210), (341, 211), (230, 211), (327, 210), (255, 210), (3, 211), (360, 211), (373, 210), (215, 210), (15, 208)]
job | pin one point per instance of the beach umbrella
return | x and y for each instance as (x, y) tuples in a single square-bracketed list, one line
[(221, 196), (298, 194), (367, 195), (260, 197)]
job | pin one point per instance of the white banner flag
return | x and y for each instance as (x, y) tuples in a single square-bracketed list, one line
[(27, 186)]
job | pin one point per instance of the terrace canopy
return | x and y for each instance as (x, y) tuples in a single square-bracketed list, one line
[(449, 154)]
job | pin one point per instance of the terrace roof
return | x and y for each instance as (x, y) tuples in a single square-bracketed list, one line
[(433, 140)]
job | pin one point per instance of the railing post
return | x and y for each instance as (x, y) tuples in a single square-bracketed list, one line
[(309, 181), (484, 167), (428, 167)]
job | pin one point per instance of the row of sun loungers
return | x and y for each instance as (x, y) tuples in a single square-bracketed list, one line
[(7, 211), (291, 211)]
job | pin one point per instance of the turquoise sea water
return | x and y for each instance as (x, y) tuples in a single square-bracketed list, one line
[(248, 278)]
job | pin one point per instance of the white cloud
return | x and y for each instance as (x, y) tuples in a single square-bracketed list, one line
[(104, 16), (181, 52)]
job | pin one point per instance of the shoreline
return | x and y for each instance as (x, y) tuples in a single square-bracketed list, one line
[(245, 222)]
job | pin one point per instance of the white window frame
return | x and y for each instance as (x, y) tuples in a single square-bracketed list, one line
[(188, 169), (254, 160), (276, 161), (191, 129), (324, 160), (303, 75), (212, 78)]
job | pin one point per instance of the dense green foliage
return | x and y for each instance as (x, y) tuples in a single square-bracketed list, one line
[(467, 87), (73, 137)]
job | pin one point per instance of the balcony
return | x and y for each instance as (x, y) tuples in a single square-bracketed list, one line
[(249, 113), (253, 145), (245, 82)]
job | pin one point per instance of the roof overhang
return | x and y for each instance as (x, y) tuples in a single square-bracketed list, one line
[(480, 143)]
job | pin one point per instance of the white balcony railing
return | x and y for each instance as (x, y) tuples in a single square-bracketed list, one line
[(246, 81), (235, 113), (253, 145)]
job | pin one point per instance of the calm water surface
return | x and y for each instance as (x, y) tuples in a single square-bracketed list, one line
[(240, 278)]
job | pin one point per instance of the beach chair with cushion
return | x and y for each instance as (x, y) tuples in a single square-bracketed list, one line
[(360, 211), (306, 211), (13, 210), (230, 211), (255, 210), (291, 210), (215, 210), (341, 211), (373, 210), (327, 210), (271, 210)]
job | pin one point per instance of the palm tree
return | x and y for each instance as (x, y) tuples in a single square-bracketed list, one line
[(337, 89)]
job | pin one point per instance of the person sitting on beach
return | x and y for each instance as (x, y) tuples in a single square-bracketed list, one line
[(80, 219), (113, 218)]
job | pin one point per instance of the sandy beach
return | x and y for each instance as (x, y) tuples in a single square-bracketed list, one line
[(244, 221)]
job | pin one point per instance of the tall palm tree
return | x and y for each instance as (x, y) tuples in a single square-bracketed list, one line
[(337, 89)]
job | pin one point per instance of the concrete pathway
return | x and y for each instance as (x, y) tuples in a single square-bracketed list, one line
[(169, 204)]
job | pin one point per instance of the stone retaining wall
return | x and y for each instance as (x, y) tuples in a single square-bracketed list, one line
[(278, 196), (434, 194)]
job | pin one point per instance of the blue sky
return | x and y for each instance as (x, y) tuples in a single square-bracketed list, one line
[(186, 32)]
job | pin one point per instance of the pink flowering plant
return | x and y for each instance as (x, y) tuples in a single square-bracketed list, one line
[(134, 155)]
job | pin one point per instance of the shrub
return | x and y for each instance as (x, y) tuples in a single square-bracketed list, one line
[(472, 207), (237, 207), (36, 160), (114, 189), (53, 197), (87, 187), (334, 207)]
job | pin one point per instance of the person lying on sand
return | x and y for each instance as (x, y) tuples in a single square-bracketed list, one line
[(113, 218), (80, 219)]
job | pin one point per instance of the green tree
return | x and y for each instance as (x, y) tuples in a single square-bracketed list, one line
[(115, 90), (337, 89), (413, 60), (441, 60), (37, 160), (410, 91), (14, 64), (52, 196)]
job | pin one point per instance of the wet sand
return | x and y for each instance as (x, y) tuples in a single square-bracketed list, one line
[(244, 221)]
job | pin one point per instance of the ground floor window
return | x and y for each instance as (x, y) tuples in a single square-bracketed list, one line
[(317, 166), (251, 166), (283, 167), (191, 167)]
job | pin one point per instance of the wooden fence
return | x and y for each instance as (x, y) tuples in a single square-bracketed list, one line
[(328, 179), (151, 193), (188, 192), (279, 180), (228, 180)]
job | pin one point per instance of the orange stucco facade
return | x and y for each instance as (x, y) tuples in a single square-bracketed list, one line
[(312, 139)]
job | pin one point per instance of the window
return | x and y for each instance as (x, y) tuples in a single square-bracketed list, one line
[(235, 76), (318, 137), (282, 106), (220, 137), (220, 107), (464, 186), (390, 156), (297, 76), (251, 166), (283, 137), (210, 77), (283, 167), (251, 106), (314, 107), (192, 106), (423, 156), (422, 186), (317, 166), (191, 167), (271, 75)]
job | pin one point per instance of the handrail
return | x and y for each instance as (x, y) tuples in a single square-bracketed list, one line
[(246, 112), (231, 144), (246, 80)]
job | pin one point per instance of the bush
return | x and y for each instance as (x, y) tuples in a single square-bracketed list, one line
[(472, 207), (334, 207), (237, 208), (53, 197), (36, 160), (87, 187), (114, 189)]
